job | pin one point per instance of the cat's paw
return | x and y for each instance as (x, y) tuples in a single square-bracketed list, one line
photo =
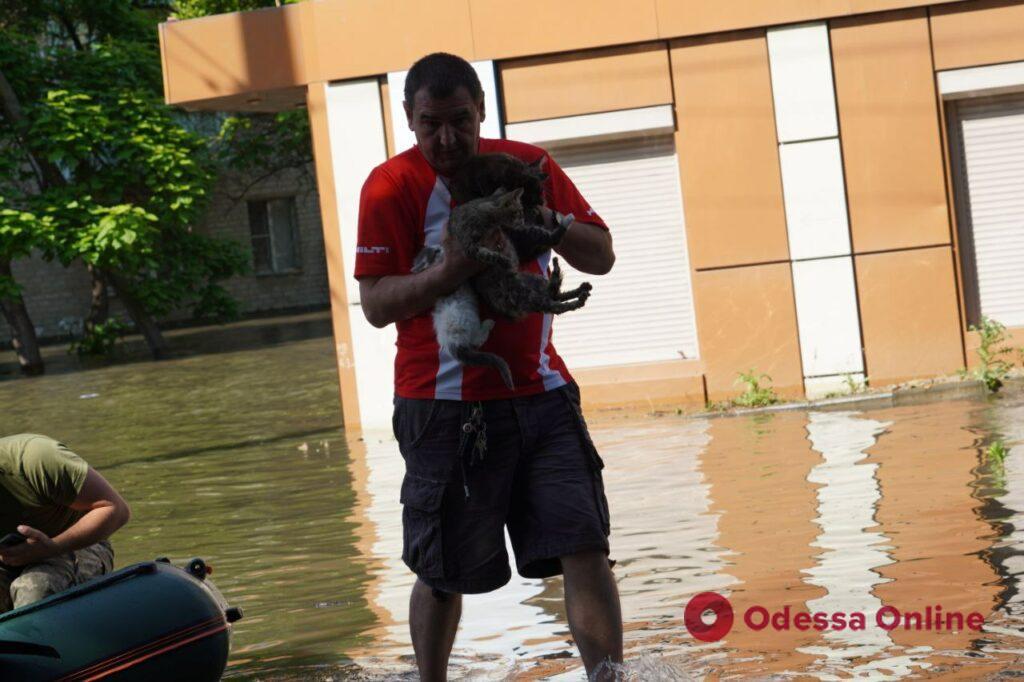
[(427, 257)]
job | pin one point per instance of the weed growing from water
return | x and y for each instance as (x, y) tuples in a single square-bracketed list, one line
[(755, 394), (992, 368), (996, 452), (995, 456)]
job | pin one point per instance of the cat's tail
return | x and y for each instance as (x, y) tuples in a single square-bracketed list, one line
[(471, 356)]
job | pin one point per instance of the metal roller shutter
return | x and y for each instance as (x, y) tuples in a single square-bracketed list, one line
[(989, 146), (641, 311)]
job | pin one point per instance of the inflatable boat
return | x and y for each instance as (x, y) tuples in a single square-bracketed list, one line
[(150, 621)]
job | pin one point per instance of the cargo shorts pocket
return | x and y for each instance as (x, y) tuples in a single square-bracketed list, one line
[(571, 392), (422, 541)]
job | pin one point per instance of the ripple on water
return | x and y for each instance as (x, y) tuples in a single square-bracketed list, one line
[(238, 456)]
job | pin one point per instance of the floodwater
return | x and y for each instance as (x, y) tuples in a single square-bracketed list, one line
[(234, 452)]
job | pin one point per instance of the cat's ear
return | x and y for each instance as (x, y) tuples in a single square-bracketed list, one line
[(514, 196), (537, 167)]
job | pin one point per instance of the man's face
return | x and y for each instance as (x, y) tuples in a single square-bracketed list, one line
[(447, 128)]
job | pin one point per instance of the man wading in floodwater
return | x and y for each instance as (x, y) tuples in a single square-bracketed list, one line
[(536, 470)]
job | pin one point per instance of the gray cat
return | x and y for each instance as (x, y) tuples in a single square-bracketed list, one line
[(507, 290)]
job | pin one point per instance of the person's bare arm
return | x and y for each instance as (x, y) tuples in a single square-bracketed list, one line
[(585, 246), (392, 298), (105, 512)]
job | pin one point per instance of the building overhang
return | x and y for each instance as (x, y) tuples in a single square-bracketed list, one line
[(262, 60)]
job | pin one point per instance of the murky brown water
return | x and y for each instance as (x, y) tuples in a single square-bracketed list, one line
[(235, 454)]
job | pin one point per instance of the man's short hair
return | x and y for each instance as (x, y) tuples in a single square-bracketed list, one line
[(442, 74)]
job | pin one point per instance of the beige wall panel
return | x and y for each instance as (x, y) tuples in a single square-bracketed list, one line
[(908, 312), (586, 82), (888, 116), (691, 17), (234, 53), (746, 319), (728, 154), (512, 29), (977, 33), (359, 38), (340, 309), (644, 386)]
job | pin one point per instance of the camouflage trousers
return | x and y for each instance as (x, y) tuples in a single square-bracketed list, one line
[(26, 584)]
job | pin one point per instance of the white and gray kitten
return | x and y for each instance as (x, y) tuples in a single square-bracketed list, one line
[(460, 331)]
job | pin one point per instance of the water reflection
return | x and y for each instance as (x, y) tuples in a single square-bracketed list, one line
[(847, 503), (238, 456)]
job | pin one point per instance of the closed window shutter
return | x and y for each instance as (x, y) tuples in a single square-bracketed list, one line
[(642, 311), (990, 135)]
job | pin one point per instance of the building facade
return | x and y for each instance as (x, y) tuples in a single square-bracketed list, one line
[(277, 220), (817, 190)]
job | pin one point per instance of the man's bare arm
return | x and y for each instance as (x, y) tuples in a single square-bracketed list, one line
[(586, 247), (105, 512)]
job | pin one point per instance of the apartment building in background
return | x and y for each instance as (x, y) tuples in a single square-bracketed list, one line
[(813, 189)]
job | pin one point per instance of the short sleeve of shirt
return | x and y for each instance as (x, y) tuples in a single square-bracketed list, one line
[(53, 473), (564, 197), (384, 242)]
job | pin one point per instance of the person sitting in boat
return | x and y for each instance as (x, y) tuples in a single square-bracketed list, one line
[(56, 515)]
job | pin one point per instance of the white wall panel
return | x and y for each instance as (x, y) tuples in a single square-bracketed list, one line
[(643, 121), (356, 129), (404, 138), (827, 317), (812, 183), (982, 80), (801, 72)]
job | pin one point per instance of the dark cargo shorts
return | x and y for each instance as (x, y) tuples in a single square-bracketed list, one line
[(539, 473)]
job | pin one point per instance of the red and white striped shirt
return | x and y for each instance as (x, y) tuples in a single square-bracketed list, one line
[(403, 207)]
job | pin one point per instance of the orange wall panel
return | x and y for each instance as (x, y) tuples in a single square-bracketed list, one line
[(513, 29), (642, 385), (728, 153), (908, 312), (888, 118), (977, 33), (586, 82), (357, 38), (746, 318), (692, 17), (231, 53)]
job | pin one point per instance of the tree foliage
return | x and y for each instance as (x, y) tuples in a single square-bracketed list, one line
[(94, 168)]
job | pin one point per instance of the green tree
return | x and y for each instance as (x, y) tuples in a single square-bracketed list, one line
[(112, 177)]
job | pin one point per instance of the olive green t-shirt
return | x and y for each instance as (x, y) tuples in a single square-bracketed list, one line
[(39, 479)]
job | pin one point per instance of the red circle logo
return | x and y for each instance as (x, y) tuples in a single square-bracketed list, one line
[(694, 616)]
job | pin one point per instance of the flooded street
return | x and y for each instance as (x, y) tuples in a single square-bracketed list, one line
[(234, 452)]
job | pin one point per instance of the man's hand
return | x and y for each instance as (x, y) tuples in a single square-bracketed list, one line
[(586, 247), (38, 547), (392, 298), (458, 266)]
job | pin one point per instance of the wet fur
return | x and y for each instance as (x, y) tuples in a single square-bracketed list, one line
[(457, 322), (503, 286), (484, 174), (480, 190)]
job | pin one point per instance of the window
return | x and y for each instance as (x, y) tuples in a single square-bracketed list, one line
[(987, 136), (275, 243)]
